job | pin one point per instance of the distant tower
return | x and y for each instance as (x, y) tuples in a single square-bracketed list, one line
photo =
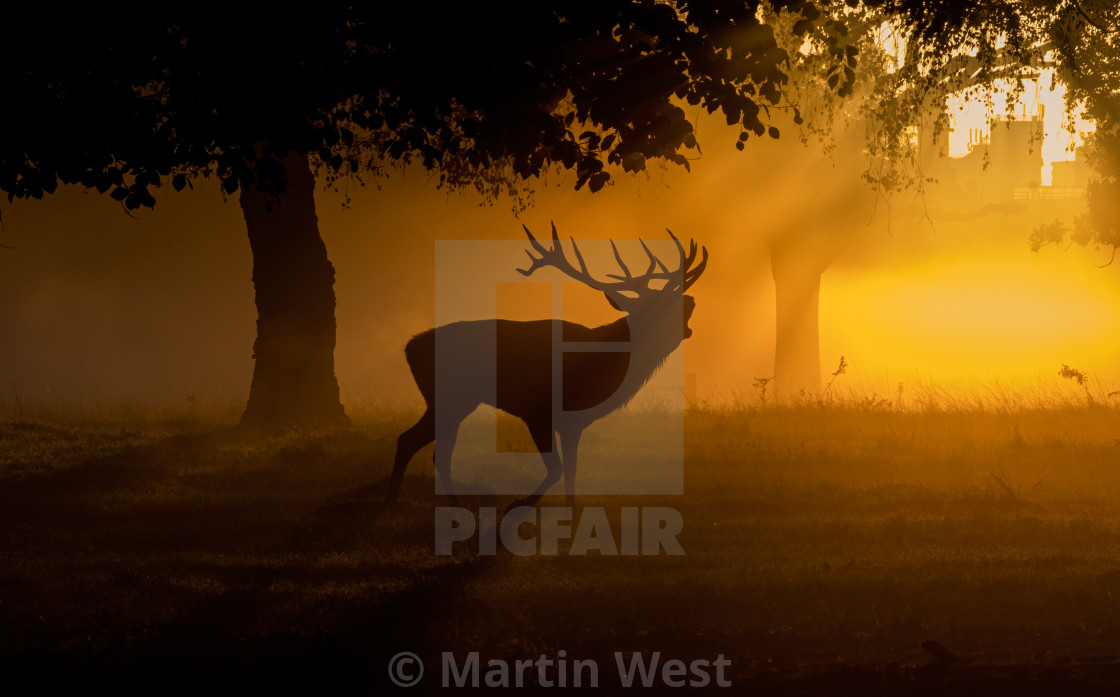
[(1016, 151), (1005, 164)]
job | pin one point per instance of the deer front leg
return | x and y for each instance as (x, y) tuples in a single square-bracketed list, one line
[(545, 441), (569, 440), (445, 445)]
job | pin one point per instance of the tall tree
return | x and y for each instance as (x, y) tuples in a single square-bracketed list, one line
[(832, 83), (271, 103)]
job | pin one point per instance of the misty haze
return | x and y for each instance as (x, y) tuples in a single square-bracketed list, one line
[(301, 350)]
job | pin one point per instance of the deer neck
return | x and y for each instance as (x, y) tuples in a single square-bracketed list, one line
[(647, 352)]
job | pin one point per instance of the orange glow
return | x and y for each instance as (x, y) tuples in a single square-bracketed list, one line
[(524, 301), (973, 320), (965, 303)]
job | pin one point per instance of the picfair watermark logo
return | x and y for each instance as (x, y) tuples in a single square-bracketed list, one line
[(527, 531)]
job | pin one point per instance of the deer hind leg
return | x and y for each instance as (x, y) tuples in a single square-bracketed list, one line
[(569, 440), (545, 440), (410, 442)]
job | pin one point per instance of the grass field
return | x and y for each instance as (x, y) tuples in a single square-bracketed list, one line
[(823, 546)]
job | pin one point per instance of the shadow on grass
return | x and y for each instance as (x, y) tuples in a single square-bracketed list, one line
[(159, 565), (150, 562)]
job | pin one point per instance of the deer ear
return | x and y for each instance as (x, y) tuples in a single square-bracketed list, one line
[(612, 302)]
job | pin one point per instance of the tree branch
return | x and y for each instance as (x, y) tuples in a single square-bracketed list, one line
[(1111, 259), (1077, 6)]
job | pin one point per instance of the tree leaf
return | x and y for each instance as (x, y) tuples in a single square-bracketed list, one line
[(633, 162)]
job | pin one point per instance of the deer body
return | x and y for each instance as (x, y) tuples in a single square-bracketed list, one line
[(600, 369)]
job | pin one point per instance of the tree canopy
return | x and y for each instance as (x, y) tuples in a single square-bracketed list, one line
[(124, 105), (1087, 41)]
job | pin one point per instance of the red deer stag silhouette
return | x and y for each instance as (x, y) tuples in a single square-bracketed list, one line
[(592, 383)]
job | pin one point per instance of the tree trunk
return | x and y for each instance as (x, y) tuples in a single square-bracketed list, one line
[(293, 377), (797, 286)]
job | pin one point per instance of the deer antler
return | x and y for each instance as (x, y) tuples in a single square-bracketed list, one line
[(677, 281), (689, 275), (557, 259)]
